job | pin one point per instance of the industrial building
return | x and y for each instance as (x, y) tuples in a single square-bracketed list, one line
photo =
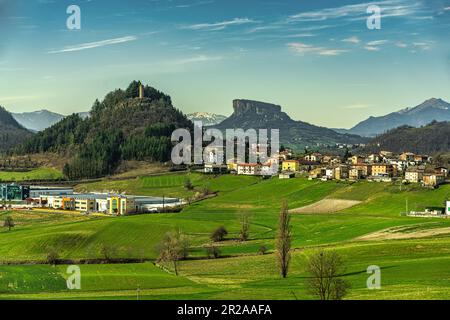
[(107, 203), (14, 192)]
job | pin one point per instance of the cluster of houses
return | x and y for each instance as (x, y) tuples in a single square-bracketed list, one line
[(66, 199), (384, 166)]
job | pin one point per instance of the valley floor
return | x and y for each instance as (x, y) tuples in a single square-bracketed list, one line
[(413, 253)]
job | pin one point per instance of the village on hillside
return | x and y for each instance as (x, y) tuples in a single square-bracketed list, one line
[(384, 166)]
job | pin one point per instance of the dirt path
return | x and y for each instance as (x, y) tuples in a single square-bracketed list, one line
[(399, 233), (326, 206)]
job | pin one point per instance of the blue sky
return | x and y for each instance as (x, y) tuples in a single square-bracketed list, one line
[(315, 58)]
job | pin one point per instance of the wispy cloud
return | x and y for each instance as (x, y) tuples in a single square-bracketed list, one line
[(390, 8), (194, 4), (356, 106), (303, 48), (401, 45), (370, 48), (374, 45), (377, 42), (353, 39), (97, 44), (422, 45), (195, 59), (218, 25)]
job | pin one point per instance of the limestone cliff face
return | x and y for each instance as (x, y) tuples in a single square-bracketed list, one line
[(249, 106), (249, 114)]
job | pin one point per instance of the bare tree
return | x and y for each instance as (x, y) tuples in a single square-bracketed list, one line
[(107, 251), (52, 256), (283, 240), (244, 233), (326, 269), (174, 247), (212, 252), (9, 223)]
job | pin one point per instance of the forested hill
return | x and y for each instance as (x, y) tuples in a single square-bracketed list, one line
[(121, 127), (429, 139), (11, 132)]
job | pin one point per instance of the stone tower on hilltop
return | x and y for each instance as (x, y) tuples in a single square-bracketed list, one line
[(141, 91)]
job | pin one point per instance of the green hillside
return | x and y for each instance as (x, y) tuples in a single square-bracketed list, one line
[(123, 126), (11, 132), (413, 260)]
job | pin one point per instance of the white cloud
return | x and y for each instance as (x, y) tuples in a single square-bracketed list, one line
[(401, 45), (303, 48), (218, 25), (369, 48), (376, 43), (195, 59), (447, 9), (353, 39), (97, 44)]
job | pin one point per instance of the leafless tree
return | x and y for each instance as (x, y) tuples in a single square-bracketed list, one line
[(9, 223), (174, 247), (326, 269), (283, 240), (244, 233)]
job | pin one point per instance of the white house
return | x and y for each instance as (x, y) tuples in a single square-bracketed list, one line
[(250, 169), (329, 173)]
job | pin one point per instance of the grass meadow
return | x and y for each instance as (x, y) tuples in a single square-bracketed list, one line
[(412, 268)]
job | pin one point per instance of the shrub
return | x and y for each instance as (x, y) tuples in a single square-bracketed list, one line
[(219, 234)]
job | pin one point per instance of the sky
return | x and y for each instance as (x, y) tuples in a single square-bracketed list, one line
[(315, 58)]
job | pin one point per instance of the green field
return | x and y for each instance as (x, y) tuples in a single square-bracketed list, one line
[(415, 266), (35, 174)]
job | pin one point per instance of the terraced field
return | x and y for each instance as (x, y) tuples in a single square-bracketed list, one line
[(412, 267)]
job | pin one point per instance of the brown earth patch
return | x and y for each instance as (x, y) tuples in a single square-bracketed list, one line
[(326, 206), (399, 233)]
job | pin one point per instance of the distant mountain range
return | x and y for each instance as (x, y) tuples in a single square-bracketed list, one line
[(208, 119), (11, 132), (296, 134), (41, 120), (37, 120), (423, 114), (429, 139)]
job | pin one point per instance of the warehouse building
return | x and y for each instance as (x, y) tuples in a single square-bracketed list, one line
[(14, 192)]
